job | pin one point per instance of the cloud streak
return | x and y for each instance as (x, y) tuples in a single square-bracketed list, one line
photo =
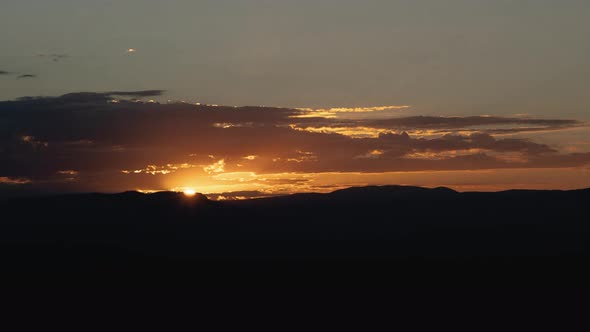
[(55, 57), (26, 76), (13, 181), (129, 144)]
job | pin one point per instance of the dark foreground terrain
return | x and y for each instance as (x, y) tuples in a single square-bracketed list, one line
[(359, 237)]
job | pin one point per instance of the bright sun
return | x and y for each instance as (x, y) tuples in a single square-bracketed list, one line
[(189, 192)]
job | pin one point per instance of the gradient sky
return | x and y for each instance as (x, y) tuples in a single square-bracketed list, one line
[(442, 57), (482, 94)]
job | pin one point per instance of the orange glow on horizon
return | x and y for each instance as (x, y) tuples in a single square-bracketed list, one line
[(298, 182), (188, 192)]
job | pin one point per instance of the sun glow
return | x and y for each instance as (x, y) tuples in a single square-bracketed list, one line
[(189, 192)]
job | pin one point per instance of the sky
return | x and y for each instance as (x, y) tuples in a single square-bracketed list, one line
[(471, 94)]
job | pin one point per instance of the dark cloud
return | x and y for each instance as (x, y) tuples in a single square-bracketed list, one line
[(146, 93), (54, 57), (43, 138), (480, 141), (57, 57), (92, 99), (26, 76), (439, 122)]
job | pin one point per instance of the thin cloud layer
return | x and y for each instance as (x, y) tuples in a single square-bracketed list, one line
[(94, 141), (433, 125), (54, 56), (26, 76), (140, 94)]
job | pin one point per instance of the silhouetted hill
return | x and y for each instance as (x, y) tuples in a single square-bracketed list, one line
[(365, 236), (391, 190)]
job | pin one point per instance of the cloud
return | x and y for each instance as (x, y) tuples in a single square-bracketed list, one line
[(433, 122), (373, 154), (340, 112), (132, 144), (239, 195), (26, 76), (163, 170), (68, 172), (13, 181), (54, 57), (98, 99), (145, 93), (217, 167), (435, 125)]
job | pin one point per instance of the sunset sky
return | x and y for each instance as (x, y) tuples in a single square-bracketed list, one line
[(247, 98)]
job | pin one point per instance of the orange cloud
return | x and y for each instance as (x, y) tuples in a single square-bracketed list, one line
[(13, 181), (217, 167), (152, 146)]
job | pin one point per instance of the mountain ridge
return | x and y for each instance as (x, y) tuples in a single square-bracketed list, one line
[(356, 236), (355, 190)]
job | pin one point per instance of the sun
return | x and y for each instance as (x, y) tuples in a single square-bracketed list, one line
[(189, 192)]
